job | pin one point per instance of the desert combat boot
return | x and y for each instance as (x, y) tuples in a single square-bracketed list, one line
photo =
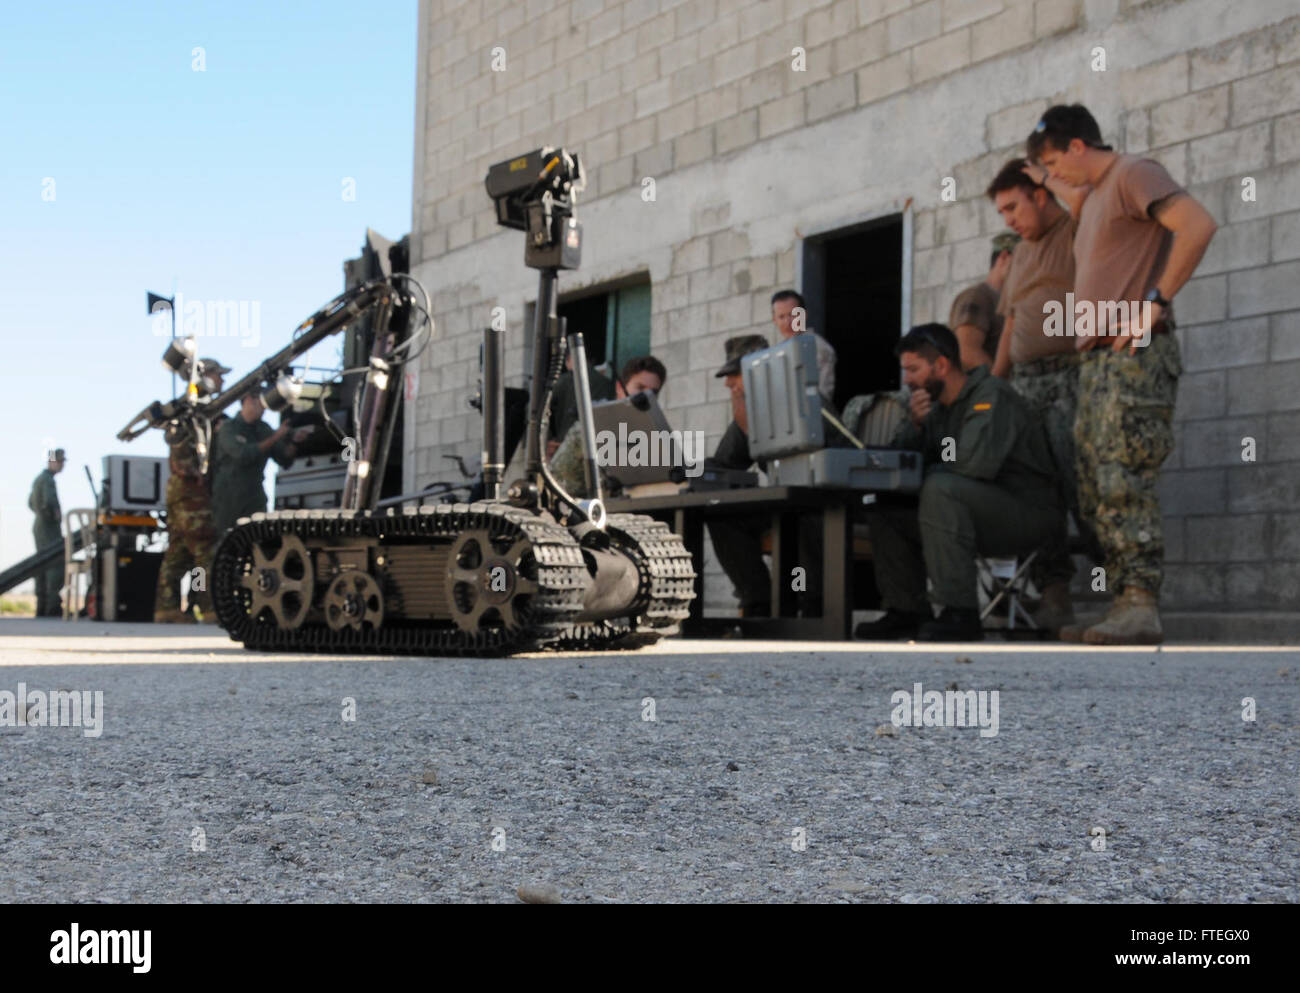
[(1133, 620), (1055, 612)]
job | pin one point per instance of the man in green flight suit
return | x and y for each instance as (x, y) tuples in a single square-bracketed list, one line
[(239, 454), (990, 488), (47, 529), (191, 539)]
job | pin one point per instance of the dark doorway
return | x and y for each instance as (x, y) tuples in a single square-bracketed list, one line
[(588, 315), (853, 282)]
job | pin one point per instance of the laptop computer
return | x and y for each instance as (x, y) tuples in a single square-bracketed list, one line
[(635, 445)]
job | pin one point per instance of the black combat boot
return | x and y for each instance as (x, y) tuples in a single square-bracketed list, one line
[(953, 624), (894, 625)]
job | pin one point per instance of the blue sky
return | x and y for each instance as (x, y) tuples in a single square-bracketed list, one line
[(226, 184)]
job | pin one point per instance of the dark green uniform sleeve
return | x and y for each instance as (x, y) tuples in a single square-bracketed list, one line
[(989, 430), (909, 435), (563, 409), (282, 452), (733, 450), (237, 444), (44, 499)]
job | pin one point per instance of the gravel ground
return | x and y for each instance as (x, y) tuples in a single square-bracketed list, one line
[(448, 761)]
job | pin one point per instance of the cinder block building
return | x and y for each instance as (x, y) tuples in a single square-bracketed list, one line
[(809, 143)]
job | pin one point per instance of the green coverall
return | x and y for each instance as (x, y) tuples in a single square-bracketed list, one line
[(47, 529), (237, 469), (990, 488)]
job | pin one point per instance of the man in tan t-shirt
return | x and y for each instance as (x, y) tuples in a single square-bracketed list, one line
[(974, 316), (1140, 237), (1044, 369)]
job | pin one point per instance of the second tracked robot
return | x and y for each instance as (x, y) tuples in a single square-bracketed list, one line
[(534, 569)]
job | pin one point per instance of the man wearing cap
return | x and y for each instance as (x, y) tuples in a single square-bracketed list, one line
[(738, 540), (191, 539), (1043, 368), (239, 456), (43, 501), (1140, 237), (974, 316), (989, 489)]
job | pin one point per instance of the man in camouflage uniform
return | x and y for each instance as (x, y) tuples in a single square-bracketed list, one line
[(643, 374), (47, 529), (1140, 238), (1044, 369), (191, 538)]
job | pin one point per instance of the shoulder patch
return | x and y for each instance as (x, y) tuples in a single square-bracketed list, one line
[(982, 406)]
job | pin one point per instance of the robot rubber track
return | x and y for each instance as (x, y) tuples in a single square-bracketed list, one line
[(484, 579)]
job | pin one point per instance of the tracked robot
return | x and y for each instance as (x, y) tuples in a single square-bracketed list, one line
[(533, 568)]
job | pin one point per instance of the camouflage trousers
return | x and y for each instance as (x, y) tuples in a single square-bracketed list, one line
[(1051, 388), (1123, 434), (191, 542)]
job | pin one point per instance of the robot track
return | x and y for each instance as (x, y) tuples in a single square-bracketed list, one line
[(483, 579)]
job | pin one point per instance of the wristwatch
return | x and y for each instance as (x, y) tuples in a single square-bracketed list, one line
[(1153, 296)]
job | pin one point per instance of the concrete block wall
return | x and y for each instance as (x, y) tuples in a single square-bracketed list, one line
[(762, 119)]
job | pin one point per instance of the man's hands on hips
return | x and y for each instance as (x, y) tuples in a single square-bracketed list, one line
[(1132, 337)]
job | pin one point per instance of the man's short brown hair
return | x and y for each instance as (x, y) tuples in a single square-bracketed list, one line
[(1059, 126), (644, 363), (930, 341), (1010, 177)]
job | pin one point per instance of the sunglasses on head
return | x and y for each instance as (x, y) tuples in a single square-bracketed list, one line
[(1042, 126), (942, 347)]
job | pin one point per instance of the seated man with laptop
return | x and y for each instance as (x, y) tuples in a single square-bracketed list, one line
[(989, 487), (738, 540), (643, 374), (782, 420)]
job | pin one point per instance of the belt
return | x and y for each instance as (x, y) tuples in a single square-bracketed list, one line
[(1161, 326), (1048, 363)]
